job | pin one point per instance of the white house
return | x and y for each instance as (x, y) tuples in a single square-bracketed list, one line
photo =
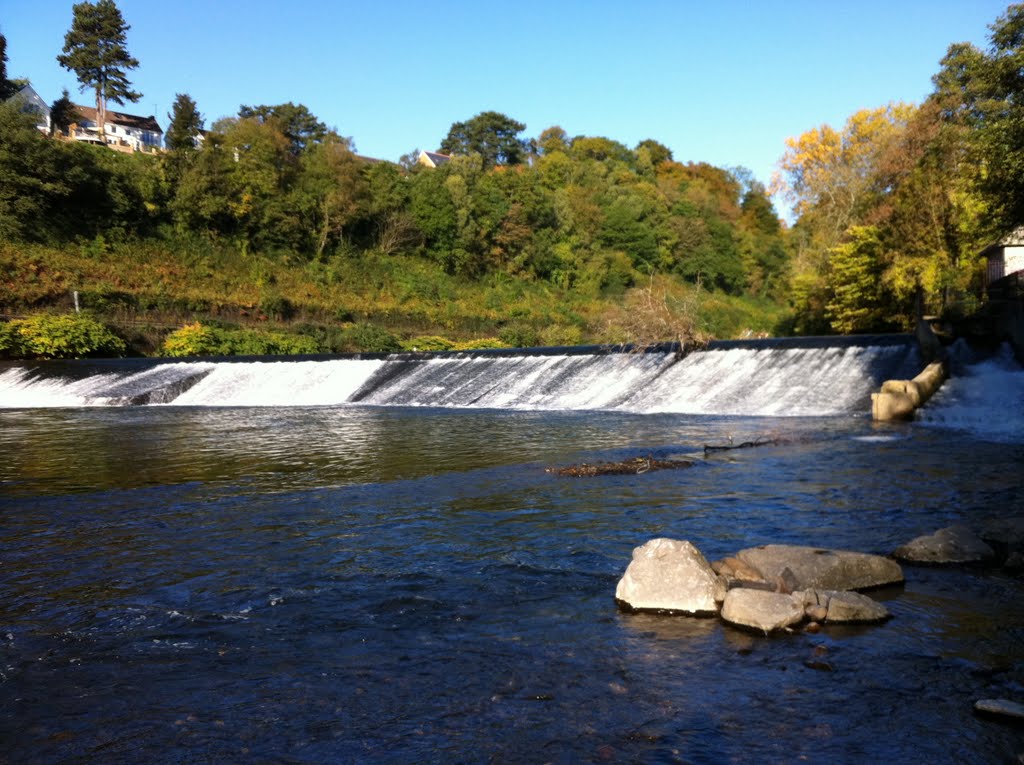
[(127, 132), (1005, 257), (33, 104), (432, 158)]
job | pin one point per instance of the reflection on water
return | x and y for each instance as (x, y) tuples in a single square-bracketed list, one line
[(352, 585)]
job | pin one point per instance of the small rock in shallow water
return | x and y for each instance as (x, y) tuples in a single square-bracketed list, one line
[(954, 544), (854, 607), (818, 664), (1002, 707), (761, 610), (816, 613)]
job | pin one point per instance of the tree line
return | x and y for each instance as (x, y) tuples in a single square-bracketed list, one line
[(583, 212), (891, 209), (895, 207)]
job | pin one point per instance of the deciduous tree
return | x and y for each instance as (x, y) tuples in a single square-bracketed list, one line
[(985, 90), (828, 174), (298, 124)]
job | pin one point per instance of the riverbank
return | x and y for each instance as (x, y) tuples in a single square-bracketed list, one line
[(374, 303)]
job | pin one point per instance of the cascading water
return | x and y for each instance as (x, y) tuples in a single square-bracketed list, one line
[(983, 397), (772, 378)]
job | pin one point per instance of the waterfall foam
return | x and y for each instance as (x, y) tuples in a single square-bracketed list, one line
[(773, 378), (982, 397)]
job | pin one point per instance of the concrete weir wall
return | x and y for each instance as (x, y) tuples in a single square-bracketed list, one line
[(899, 399)]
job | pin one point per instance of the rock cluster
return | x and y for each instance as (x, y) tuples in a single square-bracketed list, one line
[(766, 588)]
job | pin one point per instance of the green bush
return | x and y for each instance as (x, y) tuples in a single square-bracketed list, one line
[(428, 343), (68, 336), (251, 343), (519, 336), (199, 340), (480, 343), (9, 344), (369, 338), (196, 340)]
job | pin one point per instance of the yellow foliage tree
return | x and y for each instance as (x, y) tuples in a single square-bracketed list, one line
[(828, 174)]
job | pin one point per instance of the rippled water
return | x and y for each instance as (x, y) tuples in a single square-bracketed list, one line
[(345, 584)]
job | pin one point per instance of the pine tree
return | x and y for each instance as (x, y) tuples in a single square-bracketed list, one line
[(186, 123), (94, 50), (62, 114), (7, 88)]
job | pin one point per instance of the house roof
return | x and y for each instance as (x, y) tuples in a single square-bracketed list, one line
[(1014, 239), (32, 99), (435, 157), (120, 118)]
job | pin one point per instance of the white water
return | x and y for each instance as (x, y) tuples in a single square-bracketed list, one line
[(985, 399), (735, 381)]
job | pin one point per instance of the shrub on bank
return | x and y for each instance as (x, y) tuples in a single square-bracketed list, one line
[(201, 340), (432, 343), (68, 336), (369, 338)]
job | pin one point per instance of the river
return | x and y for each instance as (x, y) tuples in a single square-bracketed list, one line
[(353, 583)]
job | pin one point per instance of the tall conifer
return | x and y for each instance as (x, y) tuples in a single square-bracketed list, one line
[(94, 49), (186, 123), (7, 88)]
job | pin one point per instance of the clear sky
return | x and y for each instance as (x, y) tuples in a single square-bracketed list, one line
[(720, 81)]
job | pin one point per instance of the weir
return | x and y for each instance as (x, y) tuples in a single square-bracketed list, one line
[(775, 377)]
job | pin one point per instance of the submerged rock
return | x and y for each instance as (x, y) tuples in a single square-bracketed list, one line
[(954, 544), (632, 466), (841, 607), (816, 568), (852, 607), (670, 575), (762, 610), (1005, 532), (1002, 707)]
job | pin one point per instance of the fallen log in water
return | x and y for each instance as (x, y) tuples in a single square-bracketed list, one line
[(632, 466)]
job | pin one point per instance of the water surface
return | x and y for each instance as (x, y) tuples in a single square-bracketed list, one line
[(358, 584)]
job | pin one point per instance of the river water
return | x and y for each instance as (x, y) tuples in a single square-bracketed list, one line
[(348, 583), (359, 584)]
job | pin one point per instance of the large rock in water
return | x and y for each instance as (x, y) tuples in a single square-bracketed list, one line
[(758, 609), (816, 568), (954, 544), (669, 575)]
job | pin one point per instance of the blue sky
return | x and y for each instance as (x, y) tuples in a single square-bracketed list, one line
[(722, 82)]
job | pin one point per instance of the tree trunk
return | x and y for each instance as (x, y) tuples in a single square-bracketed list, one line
[(101, 115)]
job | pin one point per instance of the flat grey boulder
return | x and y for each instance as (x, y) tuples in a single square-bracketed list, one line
[(762, 610), (669, 575), (817, 568), (954, 544)]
